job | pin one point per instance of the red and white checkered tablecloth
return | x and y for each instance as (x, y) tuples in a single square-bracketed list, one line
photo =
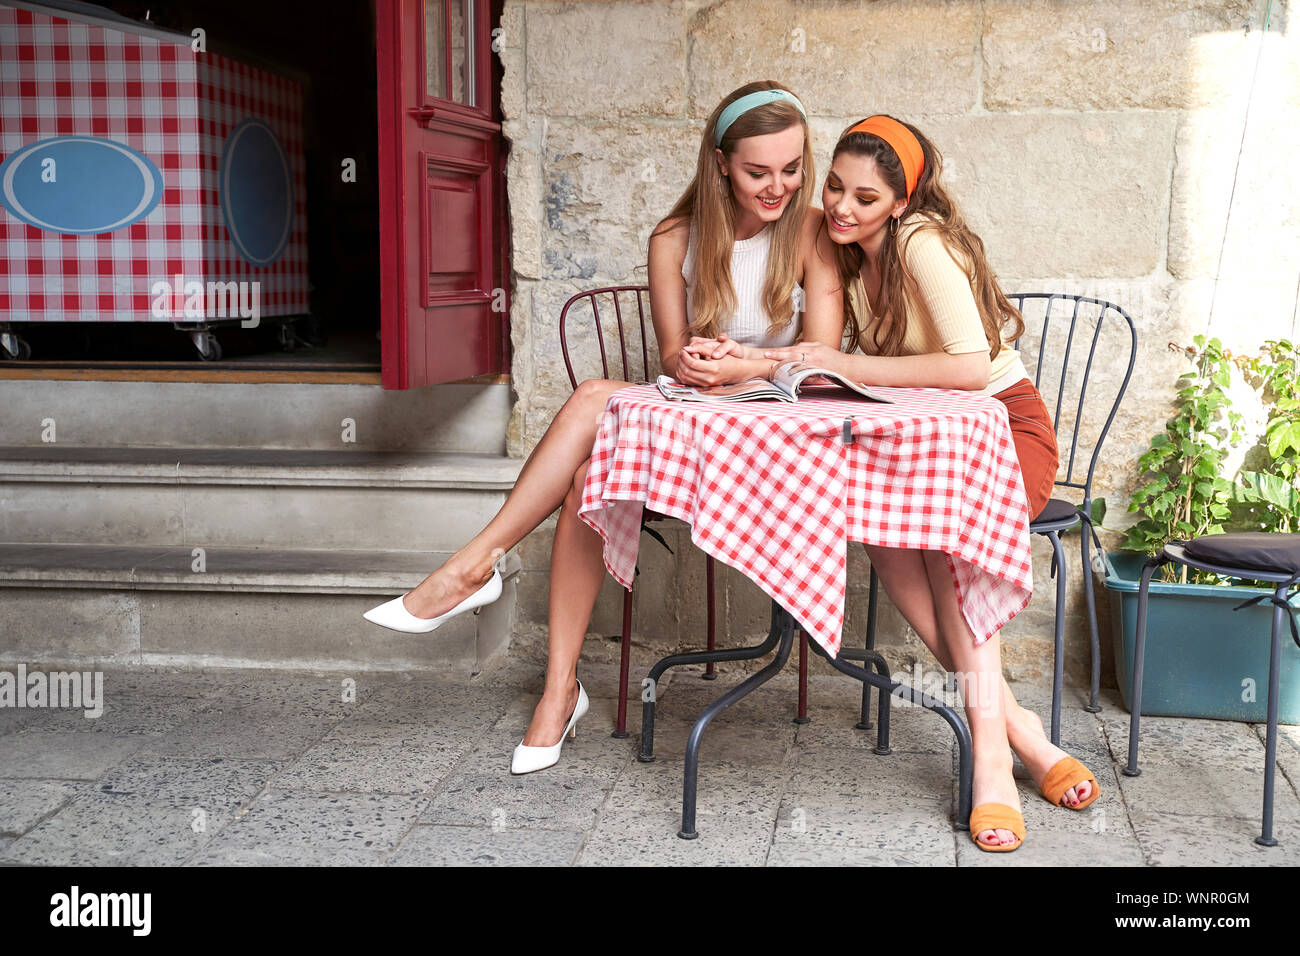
[(771, 489), (63, 77)]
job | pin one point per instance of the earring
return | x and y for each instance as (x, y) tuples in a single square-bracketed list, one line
[(893, 226)]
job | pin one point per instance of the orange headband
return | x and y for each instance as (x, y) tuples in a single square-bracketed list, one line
[(902, 141)]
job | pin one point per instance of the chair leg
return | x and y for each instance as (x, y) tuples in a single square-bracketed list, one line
[(1090, 601), (624, 661), (802, 716), (1266, 837), (864, 721), (1058, 647), (709, 673), (1139, 652)]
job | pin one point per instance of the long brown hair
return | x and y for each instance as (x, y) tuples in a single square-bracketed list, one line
[(939, 212), (707, 203)]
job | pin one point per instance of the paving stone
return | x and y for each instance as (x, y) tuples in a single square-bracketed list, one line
[(764, 745), (1230, 786), (251, 735), (1185, 739), (24, 803), (340, 765), (538, 801), (480, 846), (293, 694), (122, 714), (892, 836), (856, 778), (1055, 848), (312, 828), (641, 838), (63, 755), (12, 719), (911, 729), (286, 856), (1169, 840), (109, 829), (725, 788), (214, 782)]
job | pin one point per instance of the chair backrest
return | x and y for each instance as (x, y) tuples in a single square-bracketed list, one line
[(584, 309), (1080, 312)]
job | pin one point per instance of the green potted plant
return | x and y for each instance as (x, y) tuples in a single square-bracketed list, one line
[(1203, 657)]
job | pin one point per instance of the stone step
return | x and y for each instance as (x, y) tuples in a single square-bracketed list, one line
[(262, 607), (439, 418), (254, 498)]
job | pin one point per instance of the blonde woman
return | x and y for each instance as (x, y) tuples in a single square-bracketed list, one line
[(729, 264), (926, 310)]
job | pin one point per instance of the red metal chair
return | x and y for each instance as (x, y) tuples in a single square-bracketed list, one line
[(629, 346)]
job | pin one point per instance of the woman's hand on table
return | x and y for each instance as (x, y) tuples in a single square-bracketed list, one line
[(809, 353), (717, 348), (693, 370)]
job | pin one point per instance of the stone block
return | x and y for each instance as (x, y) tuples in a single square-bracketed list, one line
[(598, 60), (841, 59), (1152, 54)]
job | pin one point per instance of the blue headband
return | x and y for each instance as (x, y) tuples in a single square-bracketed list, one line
[(747, 103)]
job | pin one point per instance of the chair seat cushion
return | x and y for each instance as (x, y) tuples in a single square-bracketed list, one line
[(1055, 510), (1249, 550)]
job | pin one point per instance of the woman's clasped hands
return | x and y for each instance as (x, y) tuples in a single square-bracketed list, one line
[(720, 361)]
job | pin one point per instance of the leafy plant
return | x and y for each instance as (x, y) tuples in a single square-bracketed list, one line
[(1271, 493), (1185, 494)]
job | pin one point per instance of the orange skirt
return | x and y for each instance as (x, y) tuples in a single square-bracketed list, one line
[(1035, 440)]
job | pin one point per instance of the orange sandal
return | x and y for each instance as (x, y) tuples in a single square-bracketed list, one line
[(1066, 773), (997, 816)]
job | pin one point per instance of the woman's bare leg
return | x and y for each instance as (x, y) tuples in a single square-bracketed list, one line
[(541, 488), (909, 577), (577, 572)]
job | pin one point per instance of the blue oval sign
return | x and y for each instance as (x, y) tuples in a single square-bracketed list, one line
[(79, 185), (256, 192)]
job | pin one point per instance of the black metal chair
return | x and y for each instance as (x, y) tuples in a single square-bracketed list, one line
[(1257, 556), (1060, 515)]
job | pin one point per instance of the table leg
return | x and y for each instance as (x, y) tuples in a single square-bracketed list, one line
[(865, 722), (782, 625), (646, 754)]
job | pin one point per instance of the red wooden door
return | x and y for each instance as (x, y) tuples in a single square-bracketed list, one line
[(442, 304)]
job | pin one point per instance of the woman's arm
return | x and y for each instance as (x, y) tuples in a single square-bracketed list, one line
[(668, 291), (823, 319)]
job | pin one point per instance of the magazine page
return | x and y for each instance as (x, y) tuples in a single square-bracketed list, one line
[(753, 389), (790, 376)]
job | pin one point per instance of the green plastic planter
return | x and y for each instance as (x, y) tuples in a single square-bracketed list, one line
[(1200, 653)]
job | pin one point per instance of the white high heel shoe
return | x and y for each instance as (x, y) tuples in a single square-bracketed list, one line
[(394, 614), (528, 759)]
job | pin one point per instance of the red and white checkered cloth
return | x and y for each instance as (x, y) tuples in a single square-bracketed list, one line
[(63, 77), (771, 489)]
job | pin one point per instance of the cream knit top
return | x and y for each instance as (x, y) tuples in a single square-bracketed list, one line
[(946, 318), (748, 324)]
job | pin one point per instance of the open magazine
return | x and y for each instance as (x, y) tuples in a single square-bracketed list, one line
[(788, 380)]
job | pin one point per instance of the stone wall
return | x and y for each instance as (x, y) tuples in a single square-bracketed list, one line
[(1134, 150)]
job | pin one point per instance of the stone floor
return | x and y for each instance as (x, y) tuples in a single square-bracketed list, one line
[(227, 767)]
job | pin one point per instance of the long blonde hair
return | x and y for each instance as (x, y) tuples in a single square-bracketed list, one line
[(708, 205), (937, 207)]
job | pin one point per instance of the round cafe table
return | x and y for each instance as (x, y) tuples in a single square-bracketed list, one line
[(777, 490)]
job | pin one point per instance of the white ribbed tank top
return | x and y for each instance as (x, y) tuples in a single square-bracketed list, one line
[(748, 324)]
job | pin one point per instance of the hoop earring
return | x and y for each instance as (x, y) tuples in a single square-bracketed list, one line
[(893, 226)]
